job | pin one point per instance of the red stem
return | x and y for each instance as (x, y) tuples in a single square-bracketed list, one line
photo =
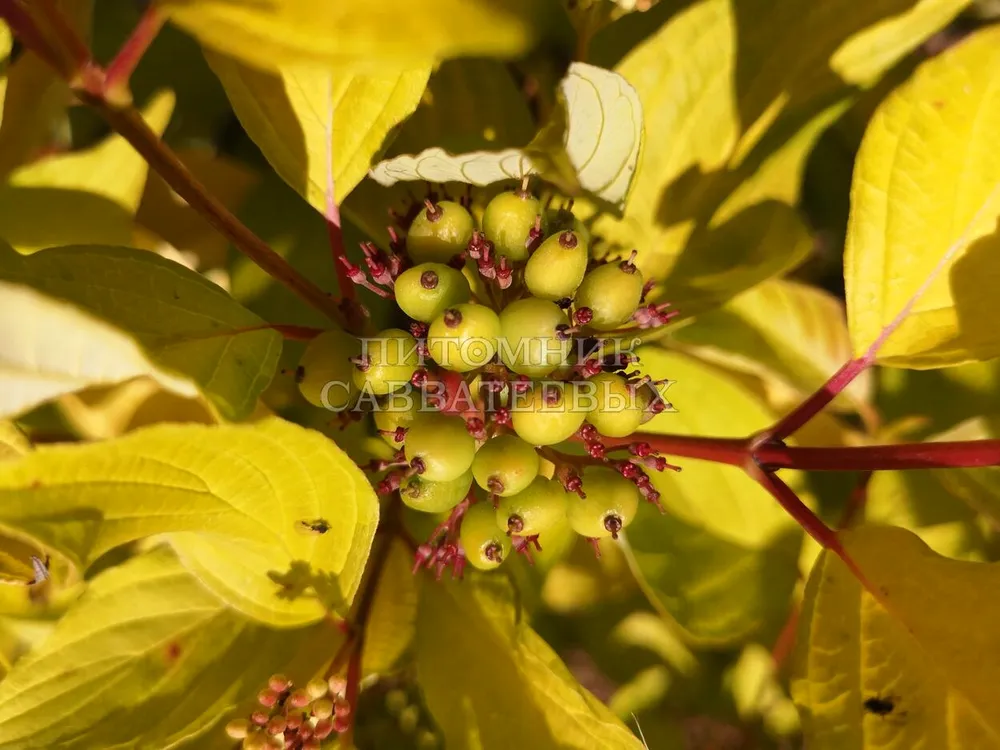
[(72, 45), (25, 29), (120, 70), (973, 453), (813, 405), (732, 451)]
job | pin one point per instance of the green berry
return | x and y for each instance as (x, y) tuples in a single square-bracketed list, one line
[(409, 720), (237, 729), (427, 740), (434, 497), (256, 741), (326, 372), (395, 701), (464, 337), (508, 219), (548, 414), (425, 291), (533, 511), (532, 342), (484, 544), (612, 292), (394, 410), (564, 220), (617, 411), (610, 505), (505, 465), (387, 362), (439, 233), (443, 445), (557, 267)]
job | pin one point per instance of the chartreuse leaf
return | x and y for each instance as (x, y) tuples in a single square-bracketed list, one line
[(145, 659), (392, 620), (82, 316), (780, 329), (603, 138), (736, 95), (36, 99), (927, 645), (268, 35), (492, 682), (82, 197), (13, 442), (721, 560), (229, 497), (301, 116), (926, 178), (942, 506)]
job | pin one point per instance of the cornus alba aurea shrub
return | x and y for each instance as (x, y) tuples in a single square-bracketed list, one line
[(499, 373)]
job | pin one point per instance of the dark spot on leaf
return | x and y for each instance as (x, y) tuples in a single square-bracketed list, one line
[(173, 651)]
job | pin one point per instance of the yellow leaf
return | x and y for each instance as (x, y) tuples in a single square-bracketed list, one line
[(229, 497), (146, 658), (82, 197), (736, 95), (300, 117), (926, 648), (391, 32), (926, 179), (492, 682), (780, 329), (721, 560), (603, 139), (393, 615), (193, 341), (13, 442), (34, 108)]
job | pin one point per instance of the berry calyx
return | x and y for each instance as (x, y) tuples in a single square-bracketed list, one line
[(508, 222), (441, 444), (439, 232), (486, 547), (425, 291), (505, 465)]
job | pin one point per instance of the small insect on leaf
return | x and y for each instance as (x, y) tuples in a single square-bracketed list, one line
[(41, 568), (880, 706), (314, 526)]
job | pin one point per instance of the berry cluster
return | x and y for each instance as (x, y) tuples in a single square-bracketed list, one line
[(516, 342), (293, 719)]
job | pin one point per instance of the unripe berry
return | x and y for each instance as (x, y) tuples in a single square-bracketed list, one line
[(279, 683), (617, 411), (323, 708), (610, 505), (256, 741), (505, 465), (237, 729), (442, 444), (425, 291), (299, 699), (439, 233), (434, 497), (317, 688), (549, 414), (533, 343), (326, 370), (508, 219), (484, 544), (611, 292), (387, 362), (395, 411), (427, 740), (395, 701), (535, 510), (464, 337), (557, 267), (409, 720)]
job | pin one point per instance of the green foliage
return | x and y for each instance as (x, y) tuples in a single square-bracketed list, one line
[(494, 208)]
